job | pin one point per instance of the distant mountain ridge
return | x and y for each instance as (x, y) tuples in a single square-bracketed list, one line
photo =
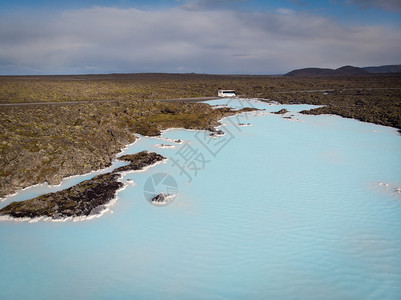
[(345, 71), (384, 69)]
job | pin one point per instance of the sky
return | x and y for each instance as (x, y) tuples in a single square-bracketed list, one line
[(196, 36)]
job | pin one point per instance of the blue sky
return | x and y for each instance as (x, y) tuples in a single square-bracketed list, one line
[(356, 12), (204, 36)]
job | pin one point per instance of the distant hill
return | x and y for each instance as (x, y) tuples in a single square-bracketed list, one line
[(343, 71), (346, 70), (311, 72), (384, 69), (350, 70)]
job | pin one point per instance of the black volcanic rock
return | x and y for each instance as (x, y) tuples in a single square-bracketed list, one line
[(281, 112), (86, 198), (139, 161), (78, 200)]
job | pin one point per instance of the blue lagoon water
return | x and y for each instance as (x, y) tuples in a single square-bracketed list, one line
[(301, 208)]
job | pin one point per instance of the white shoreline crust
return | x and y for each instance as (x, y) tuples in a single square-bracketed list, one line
[(105, 208), (100, 171)]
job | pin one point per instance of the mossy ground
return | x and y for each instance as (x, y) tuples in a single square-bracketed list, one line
[(168, 86), (48, 142)]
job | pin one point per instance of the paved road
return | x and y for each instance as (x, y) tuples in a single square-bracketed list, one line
[(182, 99), (100, 101), (189, 99)]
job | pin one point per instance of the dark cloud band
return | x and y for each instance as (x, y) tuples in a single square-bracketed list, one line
[(105, 40)]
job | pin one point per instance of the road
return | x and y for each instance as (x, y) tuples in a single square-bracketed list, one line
[(182, 99), (100, 101)]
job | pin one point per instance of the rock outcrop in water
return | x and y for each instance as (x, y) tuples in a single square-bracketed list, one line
[(162, 199), (86, 198), (217, 133), (281, 112), (139, 161)]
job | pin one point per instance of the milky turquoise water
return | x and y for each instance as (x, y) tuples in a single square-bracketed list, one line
[(284, 209)]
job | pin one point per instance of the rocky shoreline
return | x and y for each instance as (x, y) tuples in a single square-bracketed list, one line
[(84, 199), (48, 143), (90, 197), (374, 105), (45, 143)]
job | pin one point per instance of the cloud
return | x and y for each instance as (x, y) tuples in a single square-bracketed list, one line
[(108, 40), (390, 5)]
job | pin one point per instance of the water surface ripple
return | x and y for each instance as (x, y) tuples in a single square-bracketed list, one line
[(301, 208)]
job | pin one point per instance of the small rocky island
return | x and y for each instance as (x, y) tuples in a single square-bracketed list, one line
[(162, 199), (84, 199), (281, 112), (216, 133)]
